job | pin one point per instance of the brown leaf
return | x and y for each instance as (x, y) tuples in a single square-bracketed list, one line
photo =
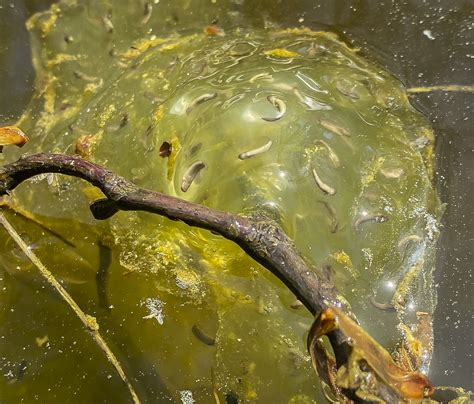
[(408, 385), (83, 145), (12, 135), (165, 149), (213, 30), (323, 362)]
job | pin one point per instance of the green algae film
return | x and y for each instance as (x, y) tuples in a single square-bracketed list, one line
[(292, 123)]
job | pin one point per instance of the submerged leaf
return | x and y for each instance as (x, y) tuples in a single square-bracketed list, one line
[(365, 351)]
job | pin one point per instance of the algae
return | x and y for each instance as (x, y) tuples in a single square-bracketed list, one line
[(122, 92)]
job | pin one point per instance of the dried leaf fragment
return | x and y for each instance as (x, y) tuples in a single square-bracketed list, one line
[(12, 135), (41, 341), (366, 351), (165, 149), (213, 30), (83, 145)]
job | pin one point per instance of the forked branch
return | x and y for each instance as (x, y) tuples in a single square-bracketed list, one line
[(264, 241)]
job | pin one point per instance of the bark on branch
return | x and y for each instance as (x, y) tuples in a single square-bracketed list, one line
[(259, 237)]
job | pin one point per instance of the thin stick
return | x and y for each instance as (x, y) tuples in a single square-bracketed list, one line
[(446, 88), (30, 218), (89, 322)]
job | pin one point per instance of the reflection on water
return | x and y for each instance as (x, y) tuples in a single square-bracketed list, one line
[(349, 22)]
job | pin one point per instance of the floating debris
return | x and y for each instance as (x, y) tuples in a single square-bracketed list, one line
[(341, 257), (155, 309), (191, 174), (428, 34), (165, 149), (369, 256), (187, 397), (41, 341), (11, 135), (279, 105), (257, 151), (322, 185), (213, 30), (281, 53)]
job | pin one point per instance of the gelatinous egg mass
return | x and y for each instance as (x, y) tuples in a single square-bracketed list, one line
[(290, 124)]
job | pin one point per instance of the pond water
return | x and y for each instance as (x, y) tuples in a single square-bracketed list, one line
[(422, 44)]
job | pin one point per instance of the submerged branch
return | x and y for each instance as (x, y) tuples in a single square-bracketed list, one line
[(261, 238), (89, 322)]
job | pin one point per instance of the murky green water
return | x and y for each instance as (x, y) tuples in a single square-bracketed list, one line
[(168, 285)]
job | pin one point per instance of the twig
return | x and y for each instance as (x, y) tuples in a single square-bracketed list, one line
[(32, 219), (89, 322), (259, 236)]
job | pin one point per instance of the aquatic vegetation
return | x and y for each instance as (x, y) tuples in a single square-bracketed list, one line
[(292, 124)]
